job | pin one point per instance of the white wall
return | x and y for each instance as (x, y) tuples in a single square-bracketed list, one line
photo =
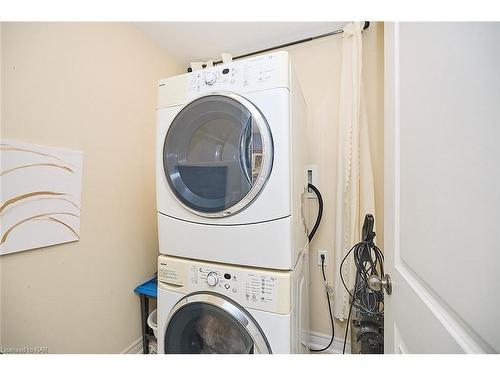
[(317, 65), (90, 87), (1, 25)]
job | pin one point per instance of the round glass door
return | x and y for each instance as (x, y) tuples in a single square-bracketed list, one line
[(212, 325), (217, 154)]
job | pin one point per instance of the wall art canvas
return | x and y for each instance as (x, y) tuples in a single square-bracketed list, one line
[(40, 196)]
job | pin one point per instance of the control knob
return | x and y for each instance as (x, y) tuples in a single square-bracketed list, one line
[(212, 278), (210, 78)]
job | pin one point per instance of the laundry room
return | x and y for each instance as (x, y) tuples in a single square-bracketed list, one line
[(248, 187), (115, 173)]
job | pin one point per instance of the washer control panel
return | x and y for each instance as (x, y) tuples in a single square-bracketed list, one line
[(255, 288)]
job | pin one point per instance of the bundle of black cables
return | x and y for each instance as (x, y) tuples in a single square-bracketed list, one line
[(368, 260), (311, 236)]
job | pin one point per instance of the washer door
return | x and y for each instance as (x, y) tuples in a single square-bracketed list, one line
[(206, 323), (218, 154)]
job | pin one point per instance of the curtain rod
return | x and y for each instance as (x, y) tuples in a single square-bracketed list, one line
[(339, 31)]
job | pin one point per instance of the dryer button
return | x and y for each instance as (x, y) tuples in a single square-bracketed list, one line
[(210, 78)]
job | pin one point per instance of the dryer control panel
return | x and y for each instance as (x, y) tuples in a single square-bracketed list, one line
[(255, 288), (253, 74)]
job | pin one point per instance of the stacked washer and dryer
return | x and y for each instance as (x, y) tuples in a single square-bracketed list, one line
[(232, 208)]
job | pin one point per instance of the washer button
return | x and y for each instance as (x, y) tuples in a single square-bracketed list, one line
[(212, 279)]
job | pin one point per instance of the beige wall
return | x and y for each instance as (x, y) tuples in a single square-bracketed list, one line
[(317, 65), (90, 87)]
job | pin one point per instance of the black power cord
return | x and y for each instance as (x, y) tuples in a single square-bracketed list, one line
[(320, 210), (311, 236), (329, 308), (347, 325)]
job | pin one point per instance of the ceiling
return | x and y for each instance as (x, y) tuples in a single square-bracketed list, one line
[(202, 41)]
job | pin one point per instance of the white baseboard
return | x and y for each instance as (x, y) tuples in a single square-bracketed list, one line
[(134, 348), (319, 340)]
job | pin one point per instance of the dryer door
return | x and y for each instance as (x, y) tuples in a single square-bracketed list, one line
[(218, 154), (205, 323)]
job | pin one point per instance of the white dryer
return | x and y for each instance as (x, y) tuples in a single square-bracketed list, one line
[(214, 308), (231, 164)]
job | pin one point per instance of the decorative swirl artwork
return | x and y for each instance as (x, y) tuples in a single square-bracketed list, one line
[(40, 196)]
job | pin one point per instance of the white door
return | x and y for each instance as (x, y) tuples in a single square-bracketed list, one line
[(442, 187)]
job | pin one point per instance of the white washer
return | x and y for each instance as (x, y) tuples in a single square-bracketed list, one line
[(216, 308), (231, 164)]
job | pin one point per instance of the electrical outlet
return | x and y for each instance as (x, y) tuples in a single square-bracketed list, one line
[(321, 252)]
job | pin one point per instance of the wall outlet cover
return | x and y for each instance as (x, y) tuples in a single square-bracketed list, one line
[(322, 252)]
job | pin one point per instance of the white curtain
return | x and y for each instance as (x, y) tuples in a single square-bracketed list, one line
[(355, 192)]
